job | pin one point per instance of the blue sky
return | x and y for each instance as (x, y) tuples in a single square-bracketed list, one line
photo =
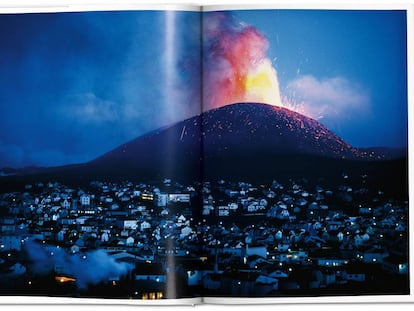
[(347, 68), (75, 85)]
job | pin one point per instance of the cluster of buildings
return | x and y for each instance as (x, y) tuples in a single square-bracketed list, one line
[(303, 238), (169, 240)]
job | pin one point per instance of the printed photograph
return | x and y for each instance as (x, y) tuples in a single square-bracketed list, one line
[(304, 132), (152, 155)]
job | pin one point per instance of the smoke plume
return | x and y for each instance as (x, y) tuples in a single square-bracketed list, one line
[(87, 268), (235, 66)]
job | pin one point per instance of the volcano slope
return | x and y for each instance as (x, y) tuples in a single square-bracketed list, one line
[(244, 141)]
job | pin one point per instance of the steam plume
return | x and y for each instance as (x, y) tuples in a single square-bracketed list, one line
[(88, 268)]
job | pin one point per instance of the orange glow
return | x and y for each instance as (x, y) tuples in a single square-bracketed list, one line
[(261, 85), (64, 279), (152, 295), (237, 68)]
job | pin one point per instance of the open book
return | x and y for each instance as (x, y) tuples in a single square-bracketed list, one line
[(187, 154)]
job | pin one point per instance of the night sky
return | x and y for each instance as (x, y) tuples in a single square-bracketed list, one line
[(76, 85)]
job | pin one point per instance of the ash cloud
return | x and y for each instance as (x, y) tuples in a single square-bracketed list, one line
[(235, 65)]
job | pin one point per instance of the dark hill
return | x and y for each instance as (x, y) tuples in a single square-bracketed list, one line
[(239, 141), (257, 128), (256, 139)]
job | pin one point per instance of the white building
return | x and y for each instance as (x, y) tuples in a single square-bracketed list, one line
[(85, 199), (223, 211), (145, 225), (162, 200), (186, 231), (130, 224), (130, 241)]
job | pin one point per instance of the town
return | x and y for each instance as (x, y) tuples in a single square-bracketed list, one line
[(167, 239)]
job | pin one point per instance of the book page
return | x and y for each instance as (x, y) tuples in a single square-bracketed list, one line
[(305, 189), (99, 172)]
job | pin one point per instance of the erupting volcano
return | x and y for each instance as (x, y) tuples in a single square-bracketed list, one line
[(235, 67)]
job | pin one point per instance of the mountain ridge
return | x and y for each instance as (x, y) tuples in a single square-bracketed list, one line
[(242, 140), (207, 123)]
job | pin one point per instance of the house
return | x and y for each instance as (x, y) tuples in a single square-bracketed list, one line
[(7, 225), (236, 249), (85, 199), (161, 200), (61, 235), (328, 259), (86, 228), (292, 257), (181, 220), (144, 225), (186, 231), (271, 283), (372, 256), (105, 236), (331, 262), (123, 256), (232, 193), (207, 208), (396, 264), (305, 277), (259, 250), (212, 281), (81, 220), (255, 260), (253, 207), (283, 214), (148, 290), (326, 276), (223, 211), (239, 284), (129, 241), (233, 206), (65, 204), (145, 255), (150, 272), (355, 273), (277, 274), (131, 224), (10, 242), (179, 198), (273, 212), (364, 210), (333, 225)]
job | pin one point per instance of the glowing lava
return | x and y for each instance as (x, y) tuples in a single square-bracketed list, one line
[(235, 66), (261, 85)]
